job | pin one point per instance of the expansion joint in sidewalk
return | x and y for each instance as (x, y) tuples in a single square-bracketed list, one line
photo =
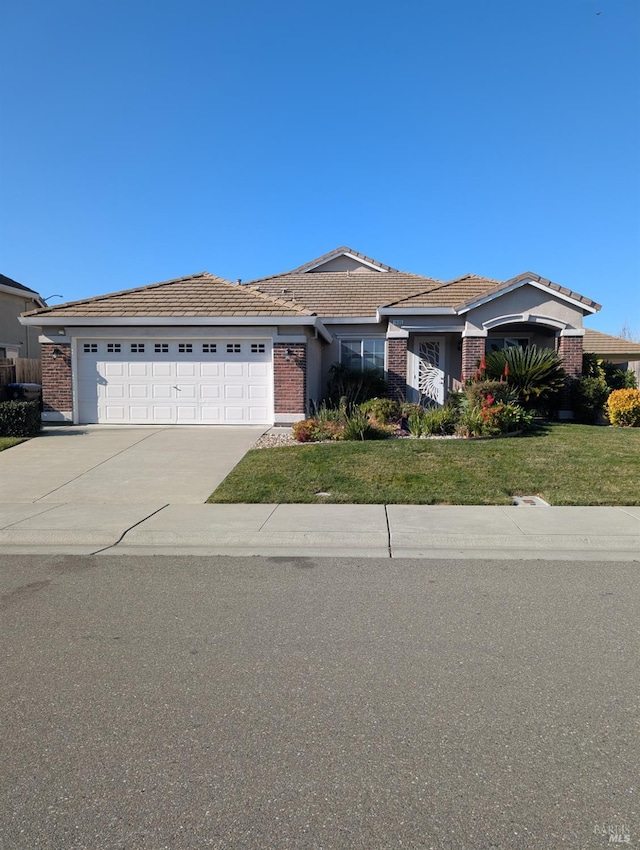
[(386, 516)]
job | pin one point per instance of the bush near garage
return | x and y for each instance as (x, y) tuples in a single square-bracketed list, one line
[(623, 408), (20, 419), (589, 393)]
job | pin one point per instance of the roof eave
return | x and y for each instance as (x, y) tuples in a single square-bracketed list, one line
[(466, 306), (24, 293), (415, 311), (60, 320)]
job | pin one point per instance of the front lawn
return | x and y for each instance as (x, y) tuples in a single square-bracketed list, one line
[(564, 464), (7, 442)]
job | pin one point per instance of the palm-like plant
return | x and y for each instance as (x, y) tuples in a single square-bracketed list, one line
[(534, 372)]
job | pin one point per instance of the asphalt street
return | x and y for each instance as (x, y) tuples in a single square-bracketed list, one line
[(185, 702)]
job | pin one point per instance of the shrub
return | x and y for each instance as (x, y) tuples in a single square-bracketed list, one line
[(358, 427), (353, 386), (623, 408), (588, 397), (316, 430), (440, 422), (470, 423), (20, 419), (614, 377), (325, 413), (500, 391), (383, 410), (535, 373)]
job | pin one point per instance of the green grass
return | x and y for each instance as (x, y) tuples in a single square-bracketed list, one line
[(564, 464), (7, 442)]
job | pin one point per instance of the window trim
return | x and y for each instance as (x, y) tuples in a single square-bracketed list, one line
[(361, 338), (493, 337)]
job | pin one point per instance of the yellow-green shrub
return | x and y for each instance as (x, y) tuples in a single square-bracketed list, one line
[(623, 408)]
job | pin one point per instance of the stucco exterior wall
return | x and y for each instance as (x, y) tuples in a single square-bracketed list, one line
[(526, 299), (314, 370), (20, 341), (344, 264)]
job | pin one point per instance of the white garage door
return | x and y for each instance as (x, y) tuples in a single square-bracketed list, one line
[(226, 382)]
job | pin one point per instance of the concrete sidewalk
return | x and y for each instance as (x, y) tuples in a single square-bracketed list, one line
[(420, 531)]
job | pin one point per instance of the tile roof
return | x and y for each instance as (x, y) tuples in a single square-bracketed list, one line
[(449, 293), (201, 294), (306, 291), (341, 294), (527, 276), (596, 342)]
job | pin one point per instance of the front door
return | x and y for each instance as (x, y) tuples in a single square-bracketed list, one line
[(429, 370)]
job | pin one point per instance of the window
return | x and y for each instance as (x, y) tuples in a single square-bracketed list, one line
[(257, 348), (161, 347), (209, 348), (90, 348), (361, 354), (113, 347), (137, 347), (233, 348), (498, 343), (185, 348)]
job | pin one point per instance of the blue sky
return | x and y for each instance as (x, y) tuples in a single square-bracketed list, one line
[(148, 140)]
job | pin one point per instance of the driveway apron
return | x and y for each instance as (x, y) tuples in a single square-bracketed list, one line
[(97, 464)]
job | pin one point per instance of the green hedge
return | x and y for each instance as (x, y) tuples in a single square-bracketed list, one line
[(20, 419)]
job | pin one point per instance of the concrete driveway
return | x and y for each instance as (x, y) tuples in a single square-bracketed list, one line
[(100, 464)]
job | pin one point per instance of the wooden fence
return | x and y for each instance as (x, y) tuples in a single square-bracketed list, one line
[(23, 370)]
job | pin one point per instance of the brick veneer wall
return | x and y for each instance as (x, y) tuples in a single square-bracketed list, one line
[(472, 354), (570, 350), (397, 368), (290, 377), (57, 393)]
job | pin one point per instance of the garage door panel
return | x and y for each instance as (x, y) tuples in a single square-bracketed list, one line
[(210, 370), (114, 370), (163, 413), (233, 391), (162, 391), (139, 370), (227, 382), (211, 414), (234, 414), (140, 413), (187, 413), (115, 413), (233, 370), (209, 391), (139, 391), (114, 391), (257, 391)]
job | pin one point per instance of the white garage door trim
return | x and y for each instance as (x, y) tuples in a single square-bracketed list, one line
[(174, 381)]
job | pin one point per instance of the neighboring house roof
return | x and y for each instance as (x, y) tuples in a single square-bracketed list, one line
[(605, 346), (201, 294), (7, 284)]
